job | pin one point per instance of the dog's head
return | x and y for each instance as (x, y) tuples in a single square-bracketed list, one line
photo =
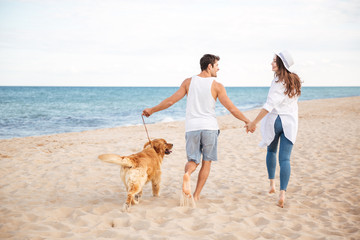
[(160, 146)]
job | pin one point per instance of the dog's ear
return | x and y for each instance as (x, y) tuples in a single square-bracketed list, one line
[(158, 146)]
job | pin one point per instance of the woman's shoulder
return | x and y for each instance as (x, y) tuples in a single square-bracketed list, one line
[(277, 84), (276, 81)]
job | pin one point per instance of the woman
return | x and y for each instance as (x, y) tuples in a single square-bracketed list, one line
[(279, 117)]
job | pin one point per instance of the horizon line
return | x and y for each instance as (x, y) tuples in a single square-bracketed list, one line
[(150, 86)]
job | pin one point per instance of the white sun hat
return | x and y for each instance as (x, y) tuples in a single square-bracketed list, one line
[(286, 59)]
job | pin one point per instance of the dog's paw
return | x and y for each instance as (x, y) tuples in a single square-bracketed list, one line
[(136, 199), (126, 207)]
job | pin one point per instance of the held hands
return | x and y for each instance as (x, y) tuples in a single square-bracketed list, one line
[(250, 127)]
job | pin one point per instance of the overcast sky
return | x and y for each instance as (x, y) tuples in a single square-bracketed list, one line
[(160, 42)]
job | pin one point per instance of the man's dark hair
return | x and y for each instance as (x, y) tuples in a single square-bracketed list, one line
[(208, 59)]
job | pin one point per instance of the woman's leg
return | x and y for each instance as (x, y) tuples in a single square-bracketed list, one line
[(284, 161), (285, 168), (271, 163), (271, 156)]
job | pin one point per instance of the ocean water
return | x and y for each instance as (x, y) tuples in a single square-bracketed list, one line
[(33, 111)]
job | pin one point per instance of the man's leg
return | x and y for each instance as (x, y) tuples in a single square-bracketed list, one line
[(203, 175), (189, 169), (209, 150)]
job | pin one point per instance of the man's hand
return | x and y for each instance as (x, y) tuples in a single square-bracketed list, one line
[(147, 112)]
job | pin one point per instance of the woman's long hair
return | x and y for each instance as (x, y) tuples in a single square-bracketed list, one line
[(291, 80)]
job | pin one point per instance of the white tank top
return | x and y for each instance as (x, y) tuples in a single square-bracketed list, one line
[(200, 105)]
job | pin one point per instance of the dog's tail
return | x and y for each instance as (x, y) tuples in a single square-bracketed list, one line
[(116, 159)]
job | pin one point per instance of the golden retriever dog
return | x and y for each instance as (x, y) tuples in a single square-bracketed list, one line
[(141, 168)]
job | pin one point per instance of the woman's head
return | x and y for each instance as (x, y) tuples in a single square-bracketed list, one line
[(280, 65), (275, 64)]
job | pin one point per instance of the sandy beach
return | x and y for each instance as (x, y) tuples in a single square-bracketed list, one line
[(55, 187)]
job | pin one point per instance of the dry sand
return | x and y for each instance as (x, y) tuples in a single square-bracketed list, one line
[(54, 187)]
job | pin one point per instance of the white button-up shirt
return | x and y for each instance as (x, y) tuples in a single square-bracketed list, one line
[(279, 104)]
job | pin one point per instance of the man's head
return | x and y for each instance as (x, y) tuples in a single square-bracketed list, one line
[(209, 63)]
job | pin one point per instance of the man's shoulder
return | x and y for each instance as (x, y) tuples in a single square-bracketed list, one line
[(217, 85), (187, 81), (186, 84)]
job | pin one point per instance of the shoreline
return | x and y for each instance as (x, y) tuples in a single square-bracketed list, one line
[(54, 186), (161, 122)]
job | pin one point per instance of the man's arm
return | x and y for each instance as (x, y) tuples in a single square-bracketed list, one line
[(168, 102), (227, 103)]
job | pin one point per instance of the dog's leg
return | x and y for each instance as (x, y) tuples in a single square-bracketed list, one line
[(156, 186), (135, 180), (127, 204), (142, 182), (137, 197), (133, 189), (126, 207)]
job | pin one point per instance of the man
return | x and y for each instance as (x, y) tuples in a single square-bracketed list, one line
[(201, 126)]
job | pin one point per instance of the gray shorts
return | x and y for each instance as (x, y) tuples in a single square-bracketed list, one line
[(201, 142)]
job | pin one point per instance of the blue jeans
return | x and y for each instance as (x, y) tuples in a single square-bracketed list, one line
[(284, 155)]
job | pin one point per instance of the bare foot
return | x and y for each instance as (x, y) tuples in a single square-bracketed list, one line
[(272, 186), (196, 198), (281, 201), (186, 185)]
